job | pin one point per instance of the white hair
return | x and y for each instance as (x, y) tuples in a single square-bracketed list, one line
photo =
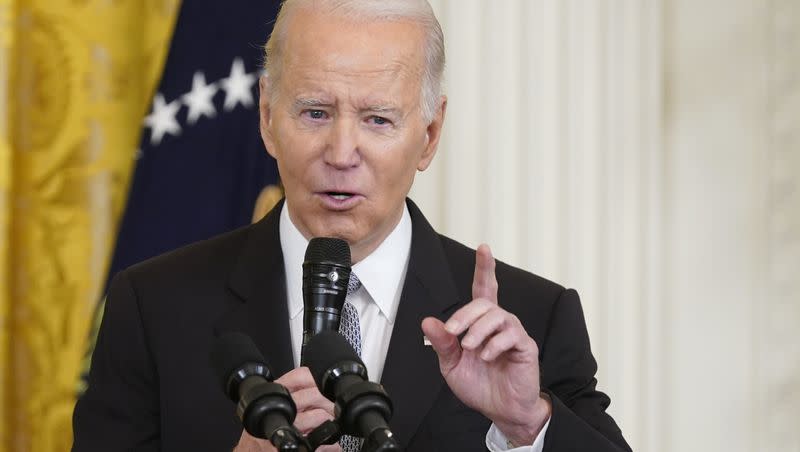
[(418, 11)]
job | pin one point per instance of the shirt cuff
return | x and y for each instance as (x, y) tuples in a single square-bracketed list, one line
[(496, 441)]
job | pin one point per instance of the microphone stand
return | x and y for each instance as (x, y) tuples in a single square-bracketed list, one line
[(267, 411), (381, 443), (290, 440), (328, 432)]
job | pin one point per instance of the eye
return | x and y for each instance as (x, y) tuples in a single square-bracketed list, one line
[(316, 114), (379, 120)]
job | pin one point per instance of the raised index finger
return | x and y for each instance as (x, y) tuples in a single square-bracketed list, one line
[(484, 282)]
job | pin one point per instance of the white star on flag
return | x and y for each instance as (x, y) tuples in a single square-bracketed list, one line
[(162, 120), (237, 86), (199, 99)]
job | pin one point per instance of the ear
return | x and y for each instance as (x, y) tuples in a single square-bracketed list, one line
[(265, 114), (432, 135)]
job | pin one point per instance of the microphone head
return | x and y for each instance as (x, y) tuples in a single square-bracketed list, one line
[(235, 357), (328, 250), (326, 274), (329, 357)]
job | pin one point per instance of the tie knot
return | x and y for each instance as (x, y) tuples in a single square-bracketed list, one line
[(353, 284)]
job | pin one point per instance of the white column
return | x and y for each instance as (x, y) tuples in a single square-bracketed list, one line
[(647, 153), (776, 367), (551, 155)]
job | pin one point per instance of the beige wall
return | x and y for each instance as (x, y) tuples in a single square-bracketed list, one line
[(647, 153)]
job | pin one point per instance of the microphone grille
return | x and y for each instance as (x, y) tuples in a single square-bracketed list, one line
[(326, 350), (229, 353), (328, 249)]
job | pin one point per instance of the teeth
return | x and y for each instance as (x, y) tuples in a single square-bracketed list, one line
[(340, 197)]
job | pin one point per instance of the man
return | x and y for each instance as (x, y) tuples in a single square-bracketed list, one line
[(351, 109)]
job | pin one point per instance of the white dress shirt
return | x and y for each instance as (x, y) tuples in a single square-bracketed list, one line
[(382, 274)]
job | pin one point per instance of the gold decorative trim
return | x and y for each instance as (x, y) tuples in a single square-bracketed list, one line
[(266, 200)]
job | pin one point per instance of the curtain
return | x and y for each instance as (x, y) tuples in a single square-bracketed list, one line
[(76, 78)]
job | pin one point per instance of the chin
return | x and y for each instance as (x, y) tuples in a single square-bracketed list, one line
[(339, 228)]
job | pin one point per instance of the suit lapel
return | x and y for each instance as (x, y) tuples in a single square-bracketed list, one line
[(411, 373), (259, 305)]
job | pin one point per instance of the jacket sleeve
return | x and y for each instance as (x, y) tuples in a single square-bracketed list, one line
[(119, 410), (579, 420)]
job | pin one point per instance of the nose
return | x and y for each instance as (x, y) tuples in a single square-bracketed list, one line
[(342, 150)]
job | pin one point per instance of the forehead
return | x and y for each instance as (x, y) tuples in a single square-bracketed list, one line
[(359, 55)]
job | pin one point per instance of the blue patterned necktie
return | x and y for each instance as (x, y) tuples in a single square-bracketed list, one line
[(350, 328)]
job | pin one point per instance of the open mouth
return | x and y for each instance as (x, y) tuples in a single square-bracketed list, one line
[(341, 196), (339, 201)]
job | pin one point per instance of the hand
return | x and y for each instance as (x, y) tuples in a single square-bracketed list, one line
[(495, 367), (312, 410)]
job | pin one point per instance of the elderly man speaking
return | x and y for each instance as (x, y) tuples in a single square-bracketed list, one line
[(351, 108)]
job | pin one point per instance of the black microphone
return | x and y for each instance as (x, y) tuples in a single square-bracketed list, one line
[(326, 273), (362, 407), (266, 409)]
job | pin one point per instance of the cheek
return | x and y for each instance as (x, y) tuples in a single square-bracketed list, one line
[(295, 155), (397, 176)]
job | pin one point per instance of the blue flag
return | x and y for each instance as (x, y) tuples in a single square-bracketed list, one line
[(201, 163)]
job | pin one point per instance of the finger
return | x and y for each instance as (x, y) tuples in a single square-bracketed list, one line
[(309, 420), (462, 319), (330, 448), (297, 379), (514, 340), (310, 398), (492, 321), (484, 281), (249, 443), (444, 344)]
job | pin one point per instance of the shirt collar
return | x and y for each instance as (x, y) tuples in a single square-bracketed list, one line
[(381, 273)]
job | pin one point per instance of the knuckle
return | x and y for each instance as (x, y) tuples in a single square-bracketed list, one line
[(307, 420), (296, 379), (498, 345), (331, 448), (502, 316), (302, 400), (534, 347), (310, 398)]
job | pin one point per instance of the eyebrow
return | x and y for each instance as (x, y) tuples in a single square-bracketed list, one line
[(311, 102), (382, 109)]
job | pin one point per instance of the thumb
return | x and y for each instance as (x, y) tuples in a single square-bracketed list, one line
[(445, 345)]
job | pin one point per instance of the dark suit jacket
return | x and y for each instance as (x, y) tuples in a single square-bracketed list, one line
[(151, 386)]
